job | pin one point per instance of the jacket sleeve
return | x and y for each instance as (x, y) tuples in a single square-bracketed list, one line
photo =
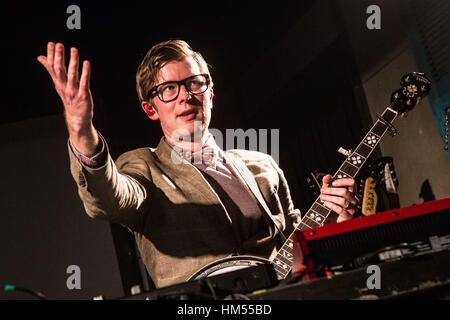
[(109, 195)]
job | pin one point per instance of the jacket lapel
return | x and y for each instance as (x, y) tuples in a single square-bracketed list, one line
[(186, 176)]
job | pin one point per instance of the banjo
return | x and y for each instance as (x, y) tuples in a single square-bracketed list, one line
[(414, 87)]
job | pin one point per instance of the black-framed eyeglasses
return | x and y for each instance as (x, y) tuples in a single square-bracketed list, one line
[(169, 91)]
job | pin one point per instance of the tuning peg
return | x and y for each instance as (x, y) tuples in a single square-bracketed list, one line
[(345, 152)]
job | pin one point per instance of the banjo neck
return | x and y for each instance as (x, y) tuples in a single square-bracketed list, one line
[(318, 213)]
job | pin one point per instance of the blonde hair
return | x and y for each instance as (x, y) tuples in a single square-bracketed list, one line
[(157, 57)]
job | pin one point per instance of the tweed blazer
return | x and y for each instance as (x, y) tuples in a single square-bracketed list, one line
[(177, 219)]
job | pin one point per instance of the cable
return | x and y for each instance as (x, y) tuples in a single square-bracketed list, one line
[(10, 287), (406, 250), (237, 296)]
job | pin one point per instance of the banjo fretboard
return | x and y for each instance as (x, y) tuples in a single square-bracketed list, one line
[(318, 213)]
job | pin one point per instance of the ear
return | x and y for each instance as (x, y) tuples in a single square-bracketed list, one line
[(150, 110), (211, 95)]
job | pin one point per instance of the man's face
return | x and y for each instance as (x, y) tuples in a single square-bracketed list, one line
[(188, 113)]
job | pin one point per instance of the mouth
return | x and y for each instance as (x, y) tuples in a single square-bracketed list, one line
[(188, 114)]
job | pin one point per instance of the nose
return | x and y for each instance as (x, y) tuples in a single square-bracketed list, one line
[(184, 93)]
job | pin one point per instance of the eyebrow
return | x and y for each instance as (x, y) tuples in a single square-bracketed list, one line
[(192, 75)]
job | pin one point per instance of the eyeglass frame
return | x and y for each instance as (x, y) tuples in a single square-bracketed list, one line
[(154, 90)]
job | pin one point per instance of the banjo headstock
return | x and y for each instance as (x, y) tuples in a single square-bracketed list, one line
[(414, 87)]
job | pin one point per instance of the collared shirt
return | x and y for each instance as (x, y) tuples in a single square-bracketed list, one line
[(245, 211)]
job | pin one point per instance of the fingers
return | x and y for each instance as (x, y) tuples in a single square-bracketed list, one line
[(345, 182), (72, 73), (47, 61), (339, 186), (342, 202), (85, 77), (50, 56), (344, 214), (43, 61), (54, 62), (59, 63), (338, 195)]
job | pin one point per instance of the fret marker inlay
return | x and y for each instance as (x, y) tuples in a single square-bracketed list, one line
[(315, 217), (371, 140), (342, 175), (356, 160)]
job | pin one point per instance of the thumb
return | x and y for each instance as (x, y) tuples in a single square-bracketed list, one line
[(42, 60), (326, 180)]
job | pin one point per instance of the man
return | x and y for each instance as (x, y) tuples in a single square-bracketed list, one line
[(186, 202)]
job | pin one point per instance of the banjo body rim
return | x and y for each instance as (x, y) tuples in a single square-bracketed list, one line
[(232, 263)]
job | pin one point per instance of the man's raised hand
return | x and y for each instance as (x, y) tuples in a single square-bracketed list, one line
[(75, 94)]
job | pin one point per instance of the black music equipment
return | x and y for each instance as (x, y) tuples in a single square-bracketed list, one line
[(240, 281), (422, 277), (391, 235), (403, 242)]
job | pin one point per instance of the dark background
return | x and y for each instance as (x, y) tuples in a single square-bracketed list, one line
[(231, 36), (265, 77)]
